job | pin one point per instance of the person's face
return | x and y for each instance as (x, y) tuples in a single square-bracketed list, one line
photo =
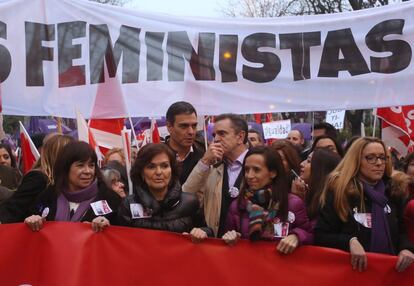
[(5, 158), (254, 139), (284, 161), (318, 132), (295, 138), (256, 173), (305, 168), (81, 175), (183, 131), (326, 143), (116, 157), (410, 169), (118, 187), (157, 174), (225, 134), (373, 161)]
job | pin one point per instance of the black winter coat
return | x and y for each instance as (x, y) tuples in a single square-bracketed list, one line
[(17, 207), (178, 212)]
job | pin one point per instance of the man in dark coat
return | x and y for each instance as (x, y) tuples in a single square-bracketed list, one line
[(182, 126)]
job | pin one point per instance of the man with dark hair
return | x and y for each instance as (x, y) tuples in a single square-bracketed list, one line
[(182, 126), (217, 176), (255, 138), (297, 139), (324, 128)]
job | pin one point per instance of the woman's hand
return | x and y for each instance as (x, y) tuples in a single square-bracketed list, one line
[(198, 235), (405, 259), (34, 222), (100, 223), (288, 244), (358, 256), (299, 188), (231, 237)]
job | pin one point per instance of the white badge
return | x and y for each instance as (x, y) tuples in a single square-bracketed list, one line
[(387, 209), (101, 207), (364, 219), (281, 229), (137, 211), (291, 217), (45, 212), (234, 192)]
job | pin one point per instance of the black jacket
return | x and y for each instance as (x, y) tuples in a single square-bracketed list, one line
[(48, 198), (178, 212), (16, 208), (189, 163), (330, 231)]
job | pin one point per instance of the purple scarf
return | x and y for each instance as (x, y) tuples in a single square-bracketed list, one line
[(380, 232), (84, 197)]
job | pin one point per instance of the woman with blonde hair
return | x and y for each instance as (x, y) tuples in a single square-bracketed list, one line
[(362, 209), (16, 208), (114, 154)]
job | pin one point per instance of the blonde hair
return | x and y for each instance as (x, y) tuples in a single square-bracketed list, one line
[(50, 152), (343, 179), (118, 151)]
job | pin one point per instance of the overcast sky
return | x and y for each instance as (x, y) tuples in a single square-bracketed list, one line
[(207, 8)]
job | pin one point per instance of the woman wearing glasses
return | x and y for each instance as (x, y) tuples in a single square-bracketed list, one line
[(361, 211)]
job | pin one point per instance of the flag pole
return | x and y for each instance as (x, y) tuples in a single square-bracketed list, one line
[(59, 125), (375, 122), (126, 142), (134, 140), (205, 132)]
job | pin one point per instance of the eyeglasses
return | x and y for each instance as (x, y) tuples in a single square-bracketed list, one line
[(372, 159)]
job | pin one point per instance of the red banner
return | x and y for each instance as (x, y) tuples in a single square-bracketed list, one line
[(397, 127), (71, 254)]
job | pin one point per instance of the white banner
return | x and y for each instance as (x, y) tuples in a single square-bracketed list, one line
[(276, 129), (57, 55)]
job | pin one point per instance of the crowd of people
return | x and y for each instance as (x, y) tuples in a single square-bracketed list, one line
[(350, 198)]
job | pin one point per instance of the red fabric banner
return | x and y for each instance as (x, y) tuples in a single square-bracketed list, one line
[(71, 254), (397, 127)]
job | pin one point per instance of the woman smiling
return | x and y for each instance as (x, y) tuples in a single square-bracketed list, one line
[(78, 193), (265, 209)]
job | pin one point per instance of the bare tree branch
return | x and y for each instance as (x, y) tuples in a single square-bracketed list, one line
[(112, 2)]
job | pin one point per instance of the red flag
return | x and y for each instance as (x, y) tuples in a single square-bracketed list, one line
[(397, 127), (155, 134), (29, 151), (258, 118), (269, 117)]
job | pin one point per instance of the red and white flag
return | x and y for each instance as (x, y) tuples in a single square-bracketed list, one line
[(397, 127), (151, 135), (109, 104), (85, 134), (29, 153), (155, 134)]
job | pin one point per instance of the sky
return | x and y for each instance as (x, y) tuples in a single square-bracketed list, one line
[(206, 8)]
